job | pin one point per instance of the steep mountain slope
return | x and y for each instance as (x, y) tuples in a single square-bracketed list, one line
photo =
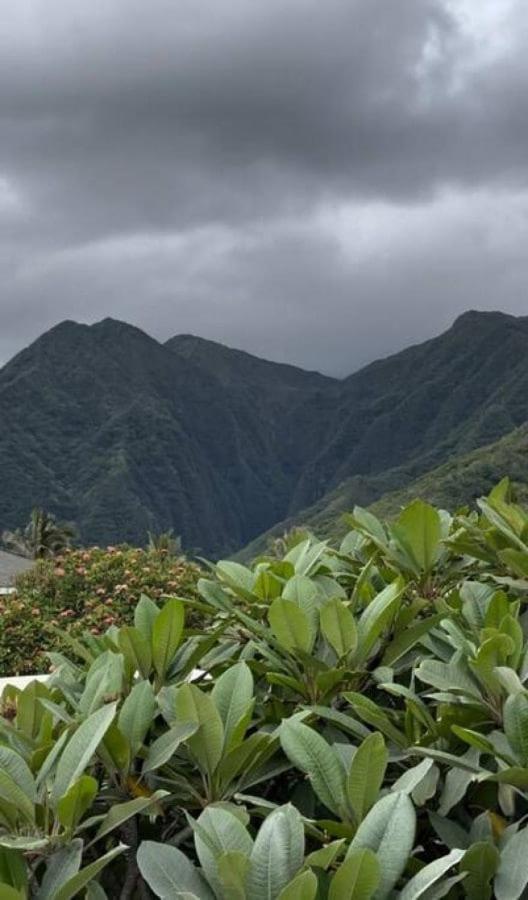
[(113, 430), (456, 483), (109, 428), (447, 396)]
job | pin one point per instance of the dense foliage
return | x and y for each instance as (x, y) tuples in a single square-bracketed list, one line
[(83, 590), (352, 724), (454, 484), (121, 434)]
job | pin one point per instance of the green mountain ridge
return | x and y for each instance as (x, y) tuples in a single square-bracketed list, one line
[(111, 429), (454, 484)]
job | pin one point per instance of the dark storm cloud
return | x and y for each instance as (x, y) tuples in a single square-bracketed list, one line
[(319, 182)]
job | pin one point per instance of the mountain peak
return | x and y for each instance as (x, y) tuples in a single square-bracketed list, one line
[(476, 317)]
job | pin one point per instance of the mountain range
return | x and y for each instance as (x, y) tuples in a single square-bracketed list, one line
[(105, 426)]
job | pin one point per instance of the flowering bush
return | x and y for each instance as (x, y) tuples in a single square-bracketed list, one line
[(83, 590)]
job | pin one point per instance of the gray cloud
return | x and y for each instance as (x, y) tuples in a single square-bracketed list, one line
[(321, 183)]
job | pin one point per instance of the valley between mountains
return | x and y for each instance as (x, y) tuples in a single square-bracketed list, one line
[(106, 427)]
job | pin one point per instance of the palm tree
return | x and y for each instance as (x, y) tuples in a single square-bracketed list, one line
[(42, 538), (165, 541)]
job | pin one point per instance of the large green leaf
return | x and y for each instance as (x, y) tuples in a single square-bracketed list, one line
[(237, 576), (169, 873), (406, 639), (420, 885), (457, 782), (16, 767), (7, 892), (167, 630), (193, 705), (76, 801), (164, 747), (80, 749), (388, 830), (232, 695), (233, 867), (219, 831), (301, 590), (136, 649), (291, 626), (480, 862), (376, 716), (515, 716), (122, 812), (103, 682), (277, 855), (137, 714), (377, 616), (13, 870), (418, 530), (310, 753), (303, 887), (338, 626), (61, 866), (448, 677), (512, 874), (13, 795), (77, 882), (366, 773), (357, 878), (145, 614)]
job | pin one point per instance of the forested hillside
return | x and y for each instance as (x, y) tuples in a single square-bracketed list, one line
[(107, 427)]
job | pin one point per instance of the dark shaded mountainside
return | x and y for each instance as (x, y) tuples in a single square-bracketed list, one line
[(107, 427)]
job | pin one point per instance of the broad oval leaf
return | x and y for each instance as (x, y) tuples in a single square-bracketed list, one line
[(77, 882), (312, 755), (167, 630), (216, 832), (137, 714), (104, 682), (512, 874), (357, 878), (376, 617), (135, 647), (16, 767), (338, 627), (231, 694), (277, 855), (515, 715), (61, 866), (428, 876), (145, 614), (418, 530), (76, 801), (193, 705), (291, 626), (480, 862), (164, 747), (169, 873), (365, 775), (80, 749), (303, 887), (388, 829)]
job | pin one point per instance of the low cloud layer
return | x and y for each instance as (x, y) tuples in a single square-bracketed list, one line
[(321, 183)]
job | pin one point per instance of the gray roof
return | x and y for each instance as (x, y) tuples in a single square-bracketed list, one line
[(11, 566)]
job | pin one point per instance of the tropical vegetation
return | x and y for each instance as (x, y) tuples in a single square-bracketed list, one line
[(122, 434), (42, 538), (348, 723), (82, 590)]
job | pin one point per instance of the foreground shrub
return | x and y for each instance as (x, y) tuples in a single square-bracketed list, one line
[(350, 724), (83, 590)]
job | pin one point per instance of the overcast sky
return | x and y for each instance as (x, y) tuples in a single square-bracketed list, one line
[(316, 181)]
